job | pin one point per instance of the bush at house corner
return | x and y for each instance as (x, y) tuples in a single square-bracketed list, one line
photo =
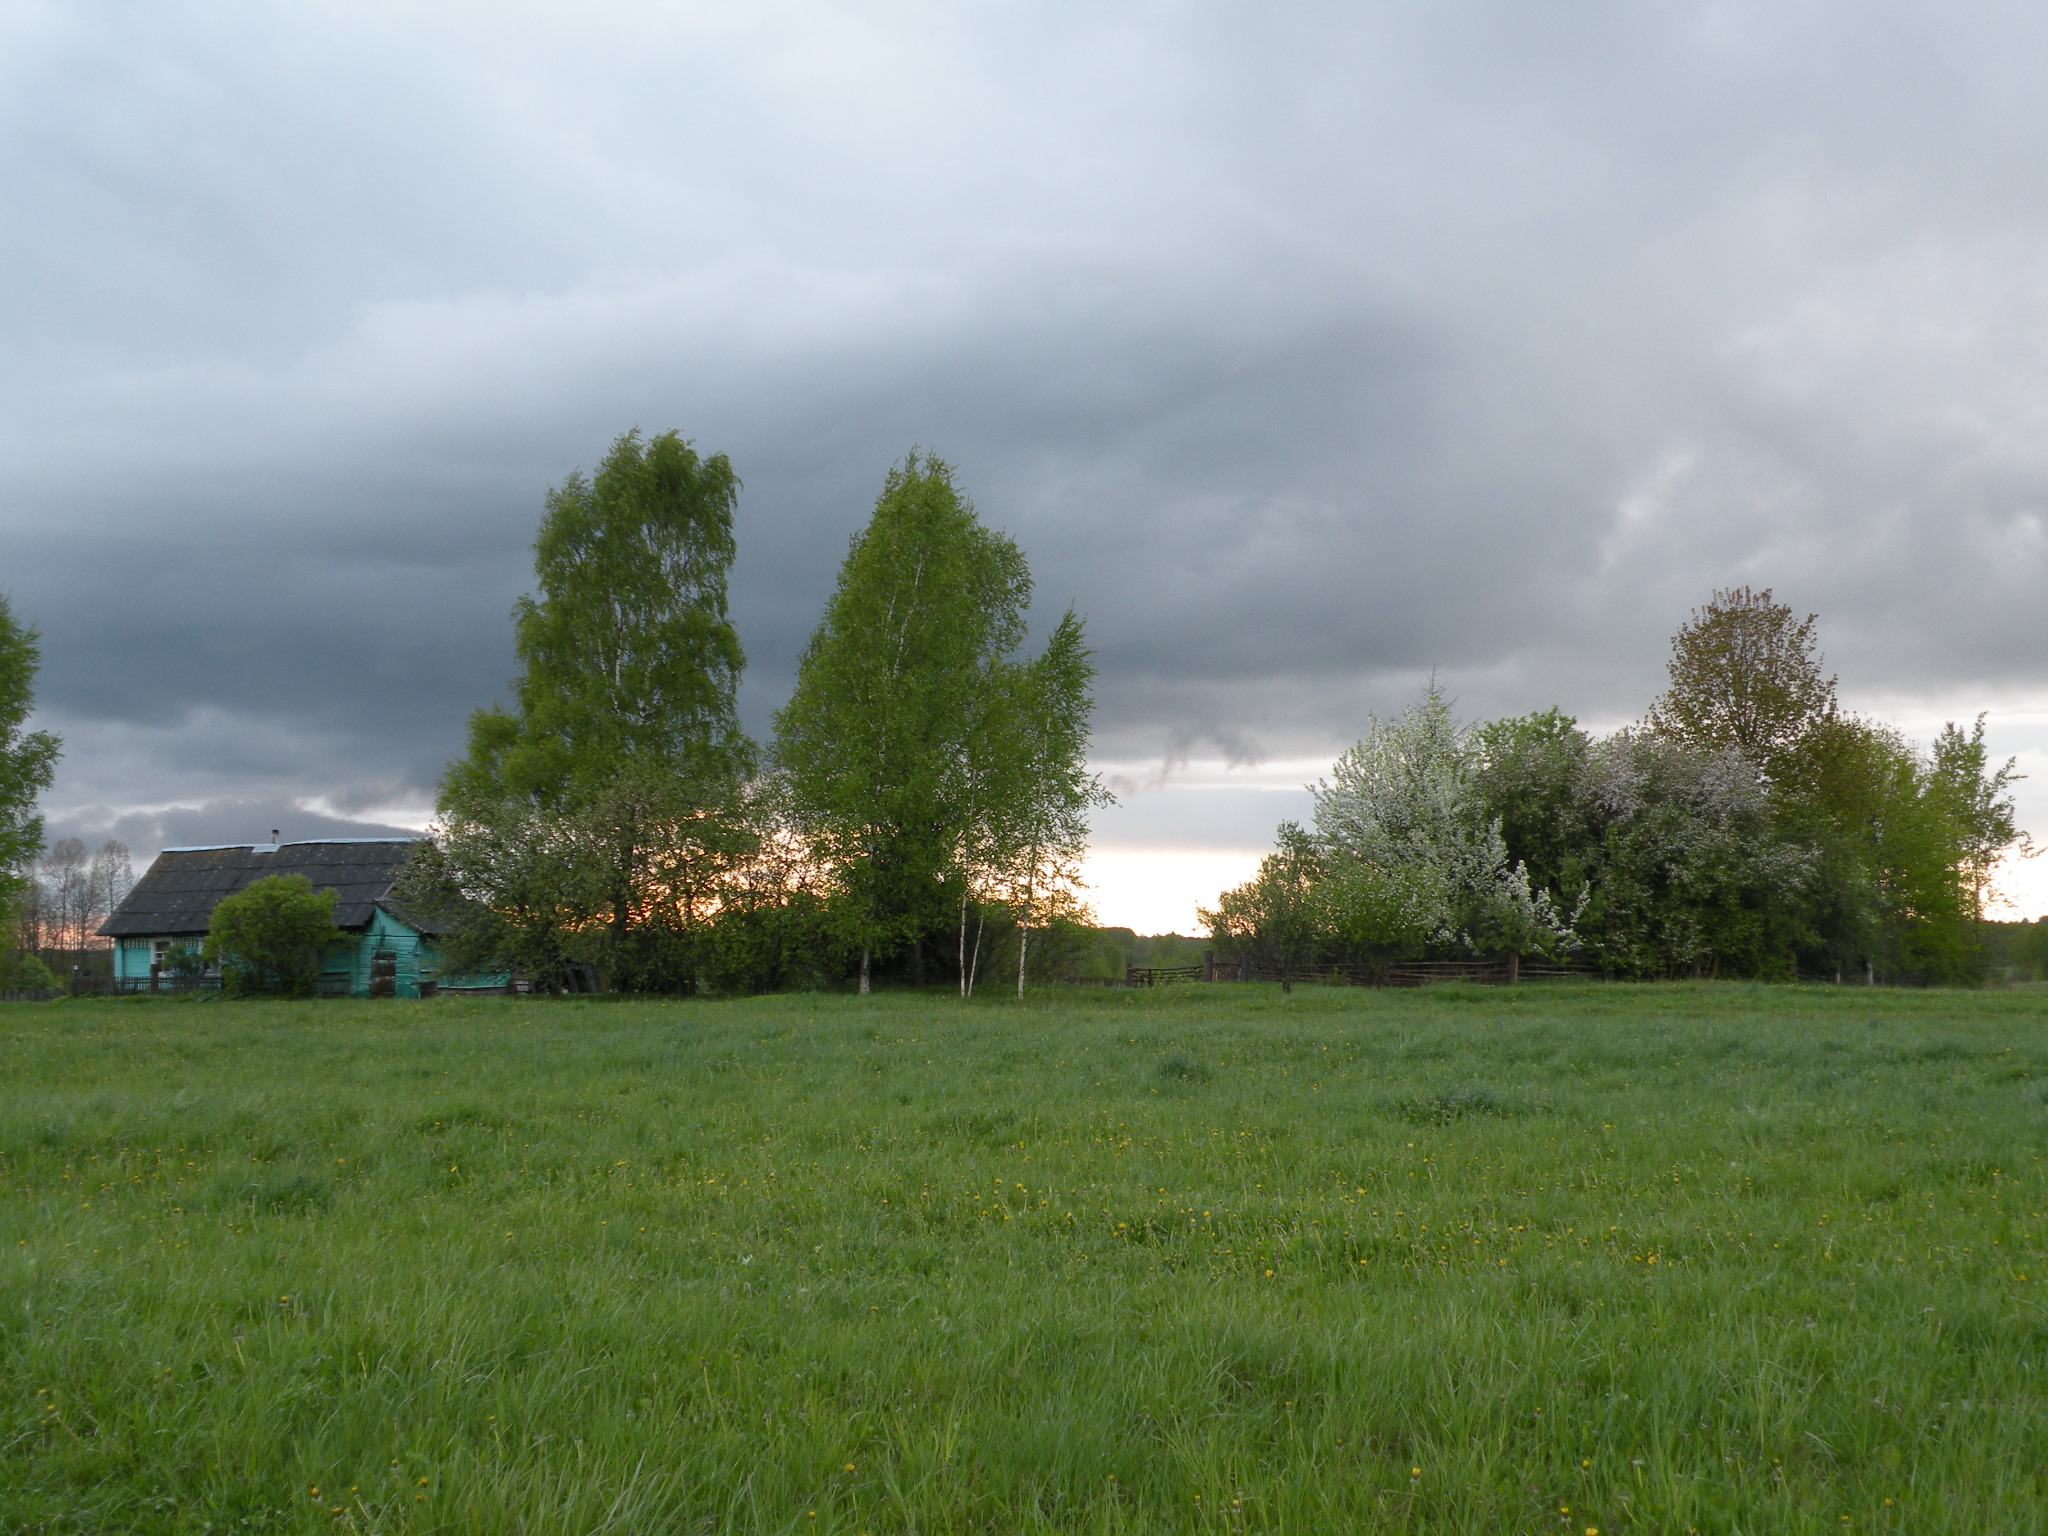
[(270, 938)]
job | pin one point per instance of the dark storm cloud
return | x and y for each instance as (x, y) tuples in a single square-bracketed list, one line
[(1306, 352)]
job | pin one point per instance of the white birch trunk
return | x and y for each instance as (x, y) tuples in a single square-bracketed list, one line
[(1023, 942)]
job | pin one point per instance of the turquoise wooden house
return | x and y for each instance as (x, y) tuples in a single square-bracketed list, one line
[(393, 952)]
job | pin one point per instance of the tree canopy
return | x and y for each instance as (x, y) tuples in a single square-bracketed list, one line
[(926, 765), (1745, 674), (601, 793), (1750, 827), (28, 758)]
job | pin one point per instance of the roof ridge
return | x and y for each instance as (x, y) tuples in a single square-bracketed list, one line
[(297, 842)]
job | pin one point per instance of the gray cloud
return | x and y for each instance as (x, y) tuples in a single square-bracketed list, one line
[(1305, 352)]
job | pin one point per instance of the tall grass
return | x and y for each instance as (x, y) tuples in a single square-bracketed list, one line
[(1705, 1258)]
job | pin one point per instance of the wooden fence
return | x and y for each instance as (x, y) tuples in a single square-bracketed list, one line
[(1501, 970)]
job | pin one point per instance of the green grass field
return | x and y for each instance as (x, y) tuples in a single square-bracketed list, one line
[(1710, 1258)]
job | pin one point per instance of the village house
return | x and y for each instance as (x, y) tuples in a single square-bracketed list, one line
[(158, 929)]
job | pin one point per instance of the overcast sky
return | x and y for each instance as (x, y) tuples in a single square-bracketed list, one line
[(1305, 349)]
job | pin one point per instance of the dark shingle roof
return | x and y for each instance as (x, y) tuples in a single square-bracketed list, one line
[(178, 893)]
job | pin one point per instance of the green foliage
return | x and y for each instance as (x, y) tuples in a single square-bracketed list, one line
[(927, 768), (28, 759), (27, 973), (593, 819), (1745, 677), (888, 732), (1527, 772), (1752, 829), (2017, 951), (1407, 857), (1691, 1257), (1414, 855), (1904, 842), (270, 937), (628, 652), (1686, 873), (1106, 953), (1277, 918)]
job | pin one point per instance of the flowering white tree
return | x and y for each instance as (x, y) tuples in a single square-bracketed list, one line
[(1406, 836)]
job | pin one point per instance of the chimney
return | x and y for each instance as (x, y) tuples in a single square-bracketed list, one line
[(273, 835)]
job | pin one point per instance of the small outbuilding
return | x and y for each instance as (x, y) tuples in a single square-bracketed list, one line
[(158, 929)]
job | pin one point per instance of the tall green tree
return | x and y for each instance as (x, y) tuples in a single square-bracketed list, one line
[(28, 759), (913, 741), (1905, 844), (1745, 674), (599, 796)]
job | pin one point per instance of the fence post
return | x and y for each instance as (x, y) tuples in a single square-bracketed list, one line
[(154, 970), (1208, 965), (1514, 966)]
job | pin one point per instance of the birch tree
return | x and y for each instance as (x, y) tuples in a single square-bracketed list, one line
[(1044, 822), (599, 792), (884, 741)]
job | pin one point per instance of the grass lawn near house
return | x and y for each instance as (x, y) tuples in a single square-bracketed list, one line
[(1211, 1258)]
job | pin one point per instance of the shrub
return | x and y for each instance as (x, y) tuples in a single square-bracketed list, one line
[(28, 974), (268, 939)]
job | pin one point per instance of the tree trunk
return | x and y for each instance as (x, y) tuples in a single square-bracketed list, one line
[(1023, 946), (917, 961), (863, 970), (963, 941), (1514, 966)]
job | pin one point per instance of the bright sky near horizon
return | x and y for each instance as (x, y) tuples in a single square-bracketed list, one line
[(1306, 350)]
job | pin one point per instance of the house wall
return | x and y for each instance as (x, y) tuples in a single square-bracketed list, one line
[(132, 956), (346, 969), (413, 951)]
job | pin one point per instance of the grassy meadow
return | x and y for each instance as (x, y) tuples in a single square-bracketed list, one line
[(1547, 1259)]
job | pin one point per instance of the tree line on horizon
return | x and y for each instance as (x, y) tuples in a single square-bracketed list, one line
[(1748, 826), (920, 809)]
